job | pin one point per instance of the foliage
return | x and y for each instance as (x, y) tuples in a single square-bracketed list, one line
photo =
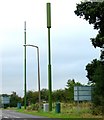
[(5, 95), (95, 74), (33, 107), (68, 110), (32, 97), (93, 13), (59, 95), (14, 99), (91, 67), (99, 87), (70, 89), (44, 94), (62, 95), (97, 110), (67, 94)]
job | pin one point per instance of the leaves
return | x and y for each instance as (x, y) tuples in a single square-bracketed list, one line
[(95, 74), (70, 88), (93, 12), (14, 99)]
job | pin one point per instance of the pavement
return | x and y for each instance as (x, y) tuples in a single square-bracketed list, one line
[(13, 114), (0, 114)]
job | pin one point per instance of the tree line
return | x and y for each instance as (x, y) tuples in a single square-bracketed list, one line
[(61, 95)]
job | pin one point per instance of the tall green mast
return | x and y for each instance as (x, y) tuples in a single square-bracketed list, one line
[(49, 55)]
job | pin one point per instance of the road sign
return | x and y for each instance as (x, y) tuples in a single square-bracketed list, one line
[(5, 100), (82, 93)]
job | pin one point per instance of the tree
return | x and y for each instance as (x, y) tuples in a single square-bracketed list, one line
[(32, 97), (70, 88), (44, 94), (71, 83), (95, 74), (93, 13), (99, 87), (14, 99), (91, 67), (59, 95)]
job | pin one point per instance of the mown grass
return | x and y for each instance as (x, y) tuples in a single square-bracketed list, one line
[(68, 110)]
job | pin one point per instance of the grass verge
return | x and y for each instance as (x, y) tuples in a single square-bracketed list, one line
[(53, 114), (68, 110)]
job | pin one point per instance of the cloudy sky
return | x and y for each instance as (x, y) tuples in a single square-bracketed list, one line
[(71, 48)]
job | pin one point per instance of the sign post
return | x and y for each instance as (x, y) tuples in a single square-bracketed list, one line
[(82, 93)]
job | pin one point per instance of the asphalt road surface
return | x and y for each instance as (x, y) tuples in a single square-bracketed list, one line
[(13, 114)]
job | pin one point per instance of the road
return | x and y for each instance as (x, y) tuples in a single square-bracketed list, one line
[(13, 114), (0, 114)]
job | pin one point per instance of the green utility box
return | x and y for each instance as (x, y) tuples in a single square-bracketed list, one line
[(58, 107), (19, 105)]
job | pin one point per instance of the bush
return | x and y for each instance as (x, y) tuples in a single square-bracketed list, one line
[(97, 110), (33, 107)]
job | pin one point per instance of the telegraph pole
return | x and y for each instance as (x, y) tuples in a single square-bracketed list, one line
[(25, 65), (49, 55)]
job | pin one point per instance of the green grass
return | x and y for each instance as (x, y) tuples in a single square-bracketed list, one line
[(51, 114), (67, 111)]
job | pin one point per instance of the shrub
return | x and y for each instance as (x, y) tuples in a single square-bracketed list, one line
[(97, 110), (33, 107)]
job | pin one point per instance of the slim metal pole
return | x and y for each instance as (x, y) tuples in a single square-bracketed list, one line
[(25, 65), (49, 55), (49, 72), (39, 79), (38, 72)]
